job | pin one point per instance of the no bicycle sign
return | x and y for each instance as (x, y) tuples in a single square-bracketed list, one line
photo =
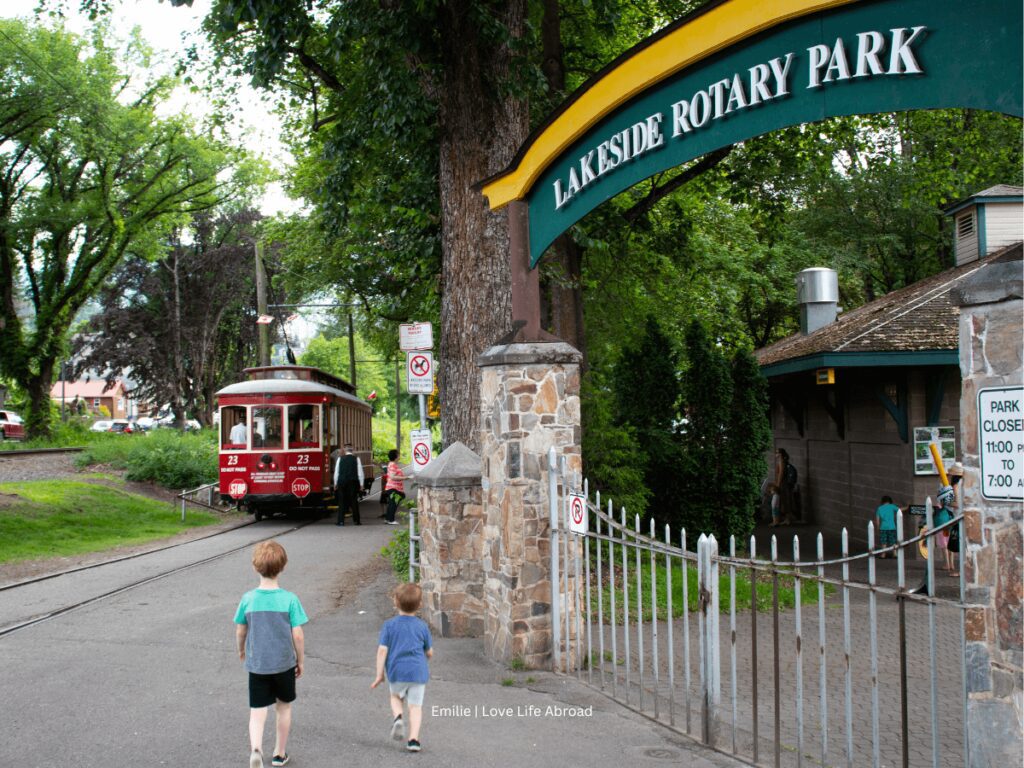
[(420, 441)]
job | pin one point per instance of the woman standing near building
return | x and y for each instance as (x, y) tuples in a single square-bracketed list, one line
[(395, 487), (785, 481)]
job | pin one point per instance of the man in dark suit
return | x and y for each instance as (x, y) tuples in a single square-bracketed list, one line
[(348, 479)]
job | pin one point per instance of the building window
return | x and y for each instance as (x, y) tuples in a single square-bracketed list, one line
[(965, 226)]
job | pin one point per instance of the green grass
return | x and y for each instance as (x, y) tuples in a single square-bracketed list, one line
[(508, 682), (59, 518), (763, 589)]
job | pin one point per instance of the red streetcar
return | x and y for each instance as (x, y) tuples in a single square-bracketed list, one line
[(278, 432)]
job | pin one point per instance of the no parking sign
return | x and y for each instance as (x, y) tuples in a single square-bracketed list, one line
[(577, 513), (421, 441)]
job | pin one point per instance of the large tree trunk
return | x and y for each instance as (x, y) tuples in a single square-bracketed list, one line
[(562, 287), (480, 130), (37, 424)]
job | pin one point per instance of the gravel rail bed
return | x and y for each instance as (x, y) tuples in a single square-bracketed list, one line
[(45, 466)]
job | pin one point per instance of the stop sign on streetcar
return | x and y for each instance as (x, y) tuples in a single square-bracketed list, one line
[(301, 487)]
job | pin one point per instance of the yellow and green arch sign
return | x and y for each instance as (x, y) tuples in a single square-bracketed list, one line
[(741, 68)]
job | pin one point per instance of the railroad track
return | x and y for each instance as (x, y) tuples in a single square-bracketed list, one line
[(52, 614), (19, 452)]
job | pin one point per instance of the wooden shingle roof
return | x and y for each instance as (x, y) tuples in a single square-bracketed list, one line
[(920, 318)]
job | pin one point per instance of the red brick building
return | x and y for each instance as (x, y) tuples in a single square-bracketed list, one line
[(94, 394)]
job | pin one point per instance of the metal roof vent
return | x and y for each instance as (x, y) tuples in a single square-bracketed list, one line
[(817, 293)]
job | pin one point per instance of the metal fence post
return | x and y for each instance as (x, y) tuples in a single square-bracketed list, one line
[(556, 640), (707, 576)]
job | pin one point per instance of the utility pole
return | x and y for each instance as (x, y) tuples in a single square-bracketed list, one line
[(397, 409), (261, 305), (351, 350)]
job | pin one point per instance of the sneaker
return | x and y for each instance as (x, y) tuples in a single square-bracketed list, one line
[(256, 759), (398, 729), (412, 746), (280, 759), (392, 522)]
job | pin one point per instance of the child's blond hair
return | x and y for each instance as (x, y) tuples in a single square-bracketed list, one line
[(269, 559), (408, 597)]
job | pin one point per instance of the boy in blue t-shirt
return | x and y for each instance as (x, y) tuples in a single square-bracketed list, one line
[(405, 646), (885, 517), (269, 638)]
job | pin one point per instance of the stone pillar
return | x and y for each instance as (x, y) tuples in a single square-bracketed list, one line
[(452, 543), (529, 403), (990, 356)]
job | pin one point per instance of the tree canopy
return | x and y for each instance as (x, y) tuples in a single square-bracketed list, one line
[(88, 174)]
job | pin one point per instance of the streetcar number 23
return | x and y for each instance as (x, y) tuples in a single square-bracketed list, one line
[(232, 460), (303, 458)]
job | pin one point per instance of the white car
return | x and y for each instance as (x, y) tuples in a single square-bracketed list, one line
[(101, 426)]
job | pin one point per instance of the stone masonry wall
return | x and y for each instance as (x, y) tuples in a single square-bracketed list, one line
[(530, 403), (991, 344), (451, 516)]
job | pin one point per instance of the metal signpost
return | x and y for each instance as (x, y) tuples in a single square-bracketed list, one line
[(417, 340)]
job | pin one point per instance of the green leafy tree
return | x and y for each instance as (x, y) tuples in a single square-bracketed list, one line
[(707, 394), (86, 176), (647, 398), (749, 437)]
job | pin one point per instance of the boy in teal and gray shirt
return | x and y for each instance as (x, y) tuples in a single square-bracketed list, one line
[(269, 638), (885, 518)]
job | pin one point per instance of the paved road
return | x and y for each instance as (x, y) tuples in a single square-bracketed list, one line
[(150, 677)]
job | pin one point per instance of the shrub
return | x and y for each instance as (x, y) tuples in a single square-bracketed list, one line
[(166, 457), (173, 460), (397, 551)]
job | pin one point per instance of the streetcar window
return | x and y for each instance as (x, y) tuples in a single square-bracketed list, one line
[(233, 427), (303, 426), (266, 427)]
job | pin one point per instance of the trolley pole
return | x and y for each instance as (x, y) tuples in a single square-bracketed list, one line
[(261, 305)]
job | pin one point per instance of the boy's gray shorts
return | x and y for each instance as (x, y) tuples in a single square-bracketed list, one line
[(411, 692)]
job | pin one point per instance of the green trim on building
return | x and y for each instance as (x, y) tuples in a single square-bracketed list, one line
[(981, 201), (862, 360)]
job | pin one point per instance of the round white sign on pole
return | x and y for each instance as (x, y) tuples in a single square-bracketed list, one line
[(1001, 442), (420, 441)]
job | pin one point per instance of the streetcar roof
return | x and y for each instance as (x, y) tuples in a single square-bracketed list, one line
[(286, 386)]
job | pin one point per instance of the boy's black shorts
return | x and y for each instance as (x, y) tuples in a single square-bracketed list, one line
[(264, 690)]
